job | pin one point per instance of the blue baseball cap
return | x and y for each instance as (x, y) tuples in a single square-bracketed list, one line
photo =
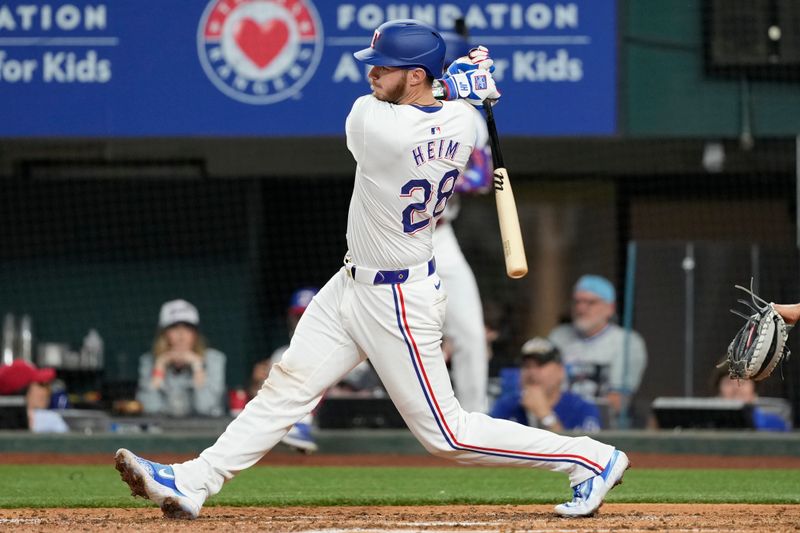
[(301, 298), (597, 285)]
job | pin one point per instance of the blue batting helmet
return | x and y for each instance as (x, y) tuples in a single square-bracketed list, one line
[(405, 43), (457, 46)]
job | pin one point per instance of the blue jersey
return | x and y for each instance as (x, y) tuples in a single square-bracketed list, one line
[(766, 421), (572, 411)]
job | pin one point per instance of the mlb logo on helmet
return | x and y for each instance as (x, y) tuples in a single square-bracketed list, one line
[(259, 51)]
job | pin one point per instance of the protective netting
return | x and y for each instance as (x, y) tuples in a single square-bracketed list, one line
[(696, 192)]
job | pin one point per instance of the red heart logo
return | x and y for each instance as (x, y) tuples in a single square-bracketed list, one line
[(261, 43)]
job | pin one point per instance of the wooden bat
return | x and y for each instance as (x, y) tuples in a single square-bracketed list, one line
[(510, 234)]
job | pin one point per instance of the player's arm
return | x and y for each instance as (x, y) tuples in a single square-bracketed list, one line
[(477, 177), (474, 87), (789, 312), (373, 123), (355, 128)]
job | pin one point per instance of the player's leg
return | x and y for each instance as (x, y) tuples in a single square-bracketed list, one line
[(463, 323), (399, 328), (320, 353)]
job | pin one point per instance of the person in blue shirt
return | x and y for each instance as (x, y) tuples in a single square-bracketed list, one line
[(539, 398), (745, 390)]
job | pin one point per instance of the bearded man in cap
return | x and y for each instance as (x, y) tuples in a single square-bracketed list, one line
[(604, 362)]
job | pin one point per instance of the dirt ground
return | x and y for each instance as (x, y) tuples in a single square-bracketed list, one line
[(506, 518), (471, 518)]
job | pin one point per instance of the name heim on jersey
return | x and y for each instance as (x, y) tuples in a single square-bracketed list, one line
[(432, 150)]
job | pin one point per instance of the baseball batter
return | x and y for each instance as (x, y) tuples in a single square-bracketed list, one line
[(387, 302)]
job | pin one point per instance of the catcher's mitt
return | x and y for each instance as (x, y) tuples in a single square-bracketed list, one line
[(761, 343)]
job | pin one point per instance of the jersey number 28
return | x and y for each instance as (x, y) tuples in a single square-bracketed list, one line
[(419, 210)]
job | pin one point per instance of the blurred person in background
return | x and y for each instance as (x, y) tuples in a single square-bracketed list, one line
[(593, 347), (21, 378), (745, 390), (464, 323), (299, 437), (539, 398), (181, 376)]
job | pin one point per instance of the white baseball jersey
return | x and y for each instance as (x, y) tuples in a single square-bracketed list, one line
[(407, 158), (390, 222)]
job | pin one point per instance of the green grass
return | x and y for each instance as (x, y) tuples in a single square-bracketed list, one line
[(100, 486)]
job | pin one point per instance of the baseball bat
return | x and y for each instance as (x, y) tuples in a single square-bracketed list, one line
[(510, 234)]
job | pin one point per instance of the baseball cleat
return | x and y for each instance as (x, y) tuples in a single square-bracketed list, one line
[(299, 438), (588, 495), (155, 482)]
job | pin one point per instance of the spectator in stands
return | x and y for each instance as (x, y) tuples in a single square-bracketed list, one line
[(299, 437), (181, 375), (594, 347), (539, 399), (745, 391), (24, 379)]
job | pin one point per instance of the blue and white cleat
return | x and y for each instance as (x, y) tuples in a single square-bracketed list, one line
[(588, 495), (156, 482), (299, 438)]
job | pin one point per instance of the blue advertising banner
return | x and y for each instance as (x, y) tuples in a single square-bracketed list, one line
[(155, 68)]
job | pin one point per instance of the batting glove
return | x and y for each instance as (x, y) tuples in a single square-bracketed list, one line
[(478, 58), (474, 87)]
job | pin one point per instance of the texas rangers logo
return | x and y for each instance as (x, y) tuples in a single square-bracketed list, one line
[(259, 51)]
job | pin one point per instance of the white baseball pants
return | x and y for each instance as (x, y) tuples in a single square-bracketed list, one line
[(399, 327)]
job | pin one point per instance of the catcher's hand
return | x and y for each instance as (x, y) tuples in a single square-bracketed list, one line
[(760, 345)]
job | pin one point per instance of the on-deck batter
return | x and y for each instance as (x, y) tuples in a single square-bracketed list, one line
[(387, 302)]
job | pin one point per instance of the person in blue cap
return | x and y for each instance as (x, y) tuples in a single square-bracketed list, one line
[(593, 347)]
